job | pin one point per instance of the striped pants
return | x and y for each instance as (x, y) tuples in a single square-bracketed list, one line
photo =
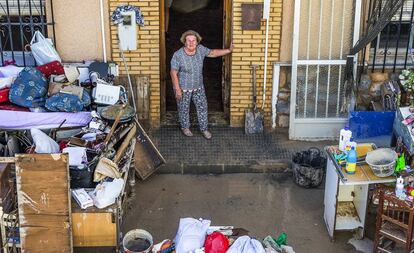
[(200, 101)]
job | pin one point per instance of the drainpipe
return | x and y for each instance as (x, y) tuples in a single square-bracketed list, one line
[(103, 30), (265, 63), (266, 15)]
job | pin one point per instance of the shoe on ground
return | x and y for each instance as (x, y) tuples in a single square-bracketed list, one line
[(186, 132), (207, 134)]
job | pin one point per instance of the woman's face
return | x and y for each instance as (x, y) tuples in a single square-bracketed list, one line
[(191, 43)]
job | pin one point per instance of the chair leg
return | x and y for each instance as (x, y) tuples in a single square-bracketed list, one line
[(408, 247), (377, 239)]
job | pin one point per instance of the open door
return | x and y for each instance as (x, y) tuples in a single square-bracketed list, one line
[(180, 16)]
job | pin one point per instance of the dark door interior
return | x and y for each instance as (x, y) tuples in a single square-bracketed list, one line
[(206, 18)]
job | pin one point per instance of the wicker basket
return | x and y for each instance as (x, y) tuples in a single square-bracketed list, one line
[(382, 161)]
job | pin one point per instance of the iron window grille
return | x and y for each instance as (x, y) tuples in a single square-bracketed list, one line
[(19, 19), (393, 47)]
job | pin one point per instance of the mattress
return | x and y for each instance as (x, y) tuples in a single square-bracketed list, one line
[(42, 120)]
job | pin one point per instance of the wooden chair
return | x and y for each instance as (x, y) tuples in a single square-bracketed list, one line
[(395, 220)]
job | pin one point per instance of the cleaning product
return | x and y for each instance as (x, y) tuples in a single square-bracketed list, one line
[(351, 160), (351, 143), (399, 188), (344, 137), (400, 163)]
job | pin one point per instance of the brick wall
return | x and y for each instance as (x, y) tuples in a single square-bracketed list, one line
[(146, 59), (249, 49)]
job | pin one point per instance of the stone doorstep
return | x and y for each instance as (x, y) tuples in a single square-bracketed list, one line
[(267, 166)]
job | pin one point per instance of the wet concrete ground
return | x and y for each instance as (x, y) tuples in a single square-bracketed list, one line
[(264, 204)]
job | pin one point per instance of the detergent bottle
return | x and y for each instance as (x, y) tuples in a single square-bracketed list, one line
[(351, 143), (344, 137), (399, 188), (351, 160)]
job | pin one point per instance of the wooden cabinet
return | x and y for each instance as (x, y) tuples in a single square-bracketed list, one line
[(94, 228)]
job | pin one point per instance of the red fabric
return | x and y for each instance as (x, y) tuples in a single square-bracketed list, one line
[(51, 68), (63, 144), (12, 107), (216, 243), (4, 95)]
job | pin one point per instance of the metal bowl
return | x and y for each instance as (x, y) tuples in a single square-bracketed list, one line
[(110, 112)]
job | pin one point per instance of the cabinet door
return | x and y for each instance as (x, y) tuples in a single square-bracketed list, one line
[(42, 182), (330, 199), (93, 229)]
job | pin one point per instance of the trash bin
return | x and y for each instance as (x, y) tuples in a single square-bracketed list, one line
[(309, 167)]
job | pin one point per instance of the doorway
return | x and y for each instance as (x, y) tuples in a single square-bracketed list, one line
[(208, 18)]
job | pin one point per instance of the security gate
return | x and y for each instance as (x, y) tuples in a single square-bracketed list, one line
[(324, 31)]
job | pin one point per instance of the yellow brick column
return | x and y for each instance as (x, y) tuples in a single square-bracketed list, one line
[(249, 48), (146, 59)]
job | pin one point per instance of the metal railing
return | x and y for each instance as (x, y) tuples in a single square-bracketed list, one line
[(19, 19), (392, 48)]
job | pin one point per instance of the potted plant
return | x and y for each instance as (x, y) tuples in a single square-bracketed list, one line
[(407, 83)]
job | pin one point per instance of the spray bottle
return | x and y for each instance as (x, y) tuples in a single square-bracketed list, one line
[(399, 188)]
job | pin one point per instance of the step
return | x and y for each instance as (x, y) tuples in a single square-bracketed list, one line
[(267, 166)]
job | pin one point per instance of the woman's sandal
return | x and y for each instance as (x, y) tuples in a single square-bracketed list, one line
[(187, 132)]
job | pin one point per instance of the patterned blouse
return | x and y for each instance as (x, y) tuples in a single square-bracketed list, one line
[(190, 67)]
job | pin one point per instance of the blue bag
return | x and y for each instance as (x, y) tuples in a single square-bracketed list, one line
[(29, 89), (63, 102)]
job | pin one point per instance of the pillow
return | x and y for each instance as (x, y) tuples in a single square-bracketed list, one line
[(51, 68), (29, 89), (10, 71)]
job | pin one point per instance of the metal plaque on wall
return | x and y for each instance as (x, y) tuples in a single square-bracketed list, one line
[(251, 16)]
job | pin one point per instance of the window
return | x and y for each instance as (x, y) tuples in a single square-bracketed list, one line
[(392, 48), (19, 19)]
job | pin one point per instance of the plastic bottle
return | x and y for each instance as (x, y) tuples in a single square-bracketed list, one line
[(344, 137), (399, 188), (351, 143), (351, 160)]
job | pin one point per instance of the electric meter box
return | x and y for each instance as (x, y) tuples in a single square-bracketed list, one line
[(127, 31)]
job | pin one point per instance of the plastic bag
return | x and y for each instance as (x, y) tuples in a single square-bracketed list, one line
[(105, 194), (308, 167), (77, 155), (216, 243), (44, 144), (245, 244), (43, 50), (191, 234)]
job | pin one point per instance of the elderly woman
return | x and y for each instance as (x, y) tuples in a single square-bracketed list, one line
[(187, 79)]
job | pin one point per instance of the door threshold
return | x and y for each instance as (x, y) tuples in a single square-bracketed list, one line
[(214, 119)]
